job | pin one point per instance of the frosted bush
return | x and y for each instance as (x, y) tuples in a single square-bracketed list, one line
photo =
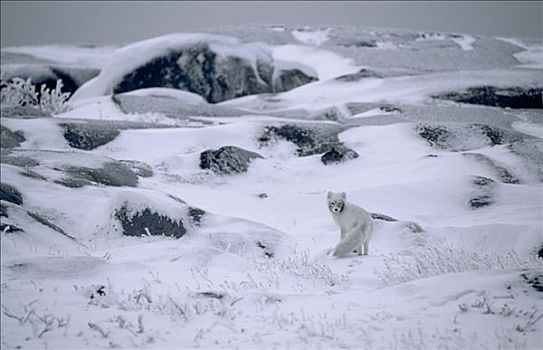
[(20, 92), (434, 261)]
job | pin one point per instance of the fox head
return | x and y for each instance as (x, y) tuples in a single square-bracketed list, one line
[(336, 202)]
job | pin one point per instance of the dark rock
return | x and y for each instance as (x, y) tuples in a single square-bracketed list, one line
[(540, 253), (139, 168), (198, 69), (461, 137), (8, 228), (356, 43), (213, 295), (378, 216), (147, 222), (482, 197), (20, 161), (196, 215), (33, 175), (308, 141), (10, 139), (73, 183), (42, 220), (290, 79), (337, 154), (267, 252), (10, 194), (227, 160), (534, 279), (412, 226), (493, 134), (504, 174), (111, 174), (262, 195), (22, 112), (436, 136), (480, 201), (88, 136), (99, 292), (390, 109), (512, 97), (361, 74), (483, 181), (177, 199)]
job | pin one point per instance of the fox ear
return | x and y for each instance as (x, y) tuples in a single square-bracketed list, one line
[(329, 194), (343, 195)]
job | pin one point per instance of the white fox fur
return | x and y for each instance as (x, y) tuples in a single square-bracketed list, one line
[(355, 224)]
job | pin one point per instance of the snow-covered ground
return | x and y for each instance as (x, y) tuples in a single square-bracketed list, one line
[(254, 273)]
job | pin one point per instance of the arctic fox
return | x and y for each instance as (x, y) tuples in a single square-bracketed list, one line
[(354, 222)]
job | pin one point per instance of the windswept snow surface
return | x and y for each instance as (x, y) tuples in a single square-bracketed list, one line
[(253, 271), (310, 37), (532, 54), (79, 56)]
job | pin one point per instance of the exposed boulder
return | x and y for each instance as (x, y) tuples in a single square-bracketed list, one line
[(88, 136), (289, 77), (410, 225), (503, 174), (147, 222), (10, 139), (309, 141), (196, 215), (44, 221), (462, 137), (337, 154), (482, 196), (361, 74), (512, 97), (10, 194), (227, 160), (534, 279), (7, 228), (112, 173), (437, 136), (215, 67)]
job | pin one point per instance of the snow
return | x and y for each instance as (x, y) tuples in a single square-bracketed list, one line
[(327, 64), (88, 57), (457, 284), (465, 42), (531, 56), (309, 37)]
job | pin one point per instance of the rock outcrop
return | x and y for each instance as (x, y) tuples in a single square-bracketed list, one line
[(227, 160)]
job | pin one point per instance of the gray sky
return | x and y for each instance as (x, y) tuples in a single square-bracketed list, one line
[(116, 22)]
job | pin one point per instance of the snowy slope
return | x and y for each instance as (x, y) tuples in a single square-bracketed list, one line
[(253, 271)]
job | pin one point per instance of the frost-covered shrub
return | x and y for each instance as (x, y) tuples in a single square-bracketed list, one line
[(20, 92), (435, 261)]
